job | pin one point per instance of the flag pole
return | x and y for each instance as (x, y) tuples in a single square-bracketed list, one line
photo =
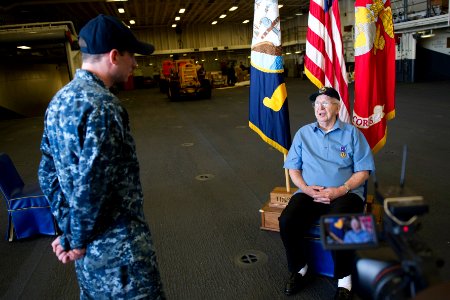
[(286, 175)]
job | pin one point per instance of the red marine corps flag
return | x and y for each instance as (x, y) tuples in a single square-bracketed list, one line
[(374, 70)]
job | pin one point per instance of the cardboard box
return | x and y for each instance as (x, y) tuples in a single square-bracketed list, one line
[(269, 217), (279, 197)]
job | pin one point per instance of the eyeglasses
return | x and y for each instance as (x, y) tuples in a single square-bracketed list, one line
[(323, 103)]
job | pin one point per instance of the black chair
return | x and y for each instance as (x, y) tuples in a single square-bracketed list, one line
[(29, 212)]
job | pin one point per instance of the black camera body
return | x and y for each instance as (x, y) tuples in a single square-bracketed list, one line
[(403, 265), (399, 265)]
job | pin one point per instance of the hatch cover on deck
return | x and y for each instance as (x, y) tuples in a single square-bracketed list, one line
[(250, 258), (204, 177)]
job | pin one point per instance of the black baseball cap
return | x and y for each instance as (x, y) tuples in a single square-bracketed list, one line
[(329, 91), (104, 33)]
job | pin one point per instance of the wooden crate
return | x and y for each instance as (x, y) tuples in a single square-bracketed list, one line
[(269, 217), (279, 197)]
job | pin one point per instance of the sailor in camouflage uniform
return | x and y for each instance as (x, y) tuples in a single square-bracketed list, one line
[(90, 173)]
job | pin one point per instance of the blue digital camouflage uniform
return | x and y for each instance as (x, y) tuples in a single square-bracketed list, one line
[(90, 175)]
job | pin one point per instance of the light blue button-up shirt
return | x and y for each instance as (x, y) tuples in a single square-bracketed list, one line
[(330, 158)]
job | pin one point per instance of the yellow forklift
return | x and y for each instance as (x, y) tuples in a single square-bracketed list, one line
[(181, 80)]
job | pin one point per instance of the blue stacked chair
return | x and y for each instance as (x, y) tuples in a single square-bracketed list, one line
[(29, 212), (319, 259)]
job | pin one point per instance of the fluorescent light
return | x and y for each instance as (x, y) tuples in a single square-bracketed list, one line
[(214, 22), (246, 21), (299, 14), (297, 52), (288, 53), (174, 25), (24, 47), (177, 18), (280, 5), (182, 10), (233, 8), (132, 22), (121, 10), (222, 16)]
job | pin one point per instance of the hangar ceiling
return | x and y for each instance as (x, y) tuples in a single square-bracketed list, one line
[(146, 13)]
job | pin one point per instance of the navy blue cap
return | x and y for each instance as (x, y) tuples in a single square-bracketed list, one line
[(329, 91), (104, 33)]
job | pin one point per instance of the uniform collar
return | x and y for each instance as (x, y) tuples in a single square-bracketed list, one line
[(337, 125), (88, 75)]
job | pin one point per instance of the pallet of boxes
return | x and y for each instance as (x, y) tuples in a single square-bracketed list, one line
[(272, 209)]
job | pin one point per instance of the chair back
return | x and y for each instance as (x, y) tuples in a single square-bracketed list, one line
[(10, 180)]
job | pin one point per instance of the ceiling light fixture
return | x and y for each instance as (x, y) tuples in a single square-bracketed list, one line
[(177, 18), (280, 5), (121, 10), (246, 21), (214, 22), (132, 22), (233, 8), (24, 47), (222, 16), (182, 10), (174, 25), (427, 34)]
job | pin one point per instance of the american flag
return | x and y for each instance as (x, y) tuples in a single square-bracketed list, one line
[(324, 59)]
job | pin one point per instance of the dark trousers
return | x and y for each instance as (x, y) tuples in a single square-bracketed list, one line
[(300, 214)]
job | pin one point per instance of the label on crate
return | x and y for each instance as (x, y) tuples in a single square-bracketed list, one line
[(279, 197)]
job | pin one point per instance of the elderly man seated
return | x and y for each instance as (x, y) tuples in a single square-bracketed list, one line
[(329, 161)]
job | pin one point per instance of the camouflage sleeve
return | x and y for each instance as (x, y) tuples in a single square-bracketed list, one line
[(51, 188), (96, 174)]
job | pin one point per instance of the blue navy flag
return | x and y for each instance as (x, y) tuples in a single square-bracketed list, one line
[(268, 111)]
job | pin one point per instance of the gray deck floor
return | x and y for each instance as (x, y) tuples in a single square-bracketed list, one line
[(202, 228)]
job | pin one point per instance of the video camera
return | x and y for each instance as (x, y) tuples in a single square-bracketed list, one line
[(394, 263)]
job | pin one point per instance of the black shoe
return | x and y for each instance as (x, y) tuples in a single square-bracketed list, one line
[(295, 283), (343, 294)]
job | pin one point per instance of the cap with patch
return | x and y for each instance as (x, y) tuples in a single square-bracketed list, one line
[(329, 91), (104, 33)]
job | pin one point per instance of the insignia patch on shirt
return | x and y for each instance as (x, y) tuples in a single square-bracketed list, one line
[(343, 153)]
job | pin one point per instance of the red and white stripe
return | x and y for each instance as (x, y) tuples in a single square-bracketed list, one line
[(324, 59)]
